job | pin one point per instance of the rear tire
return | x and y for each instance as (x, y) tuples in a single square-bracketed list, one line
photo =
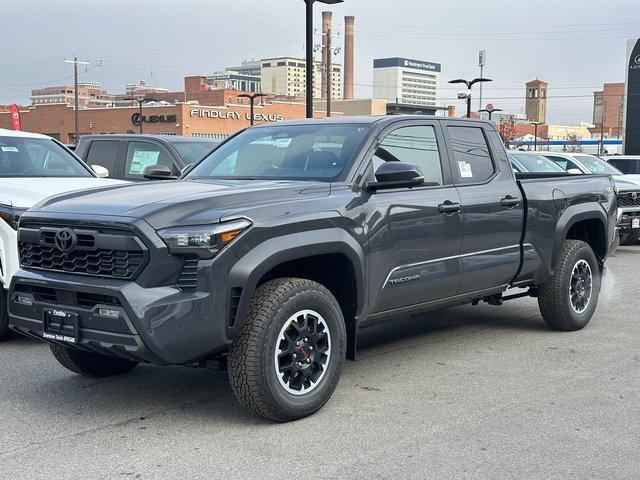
[(4, 313), (286, 362), (567, 301), (90, 364), (630, 238)]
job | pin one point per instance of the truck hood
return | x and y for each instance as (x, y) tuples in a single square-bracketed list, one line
[(171, 203), (627, 180), (26, 192)]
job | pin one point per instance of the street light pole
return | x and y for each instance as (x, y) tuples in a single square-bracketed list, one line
[(469, 84), (309, 50), (490, 111), (140, 101), (535, 135), (252, 99)]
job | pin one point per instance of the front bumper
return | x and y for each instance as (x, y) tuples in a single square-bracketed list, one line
[(627, 218), (162, 325)]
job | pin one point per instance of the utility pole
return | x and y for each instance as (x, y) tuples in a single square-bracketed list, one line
[(482, 61), (75, 94)]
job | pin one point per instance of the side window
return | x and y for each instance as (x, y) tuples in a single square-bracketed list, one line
[(416, 145), (471, 154), (563, 162), (141, 155), (104, 153), (625, 166)]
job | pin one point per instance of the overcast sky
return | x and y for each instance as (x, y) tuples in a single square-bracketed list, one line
[(575, 45)]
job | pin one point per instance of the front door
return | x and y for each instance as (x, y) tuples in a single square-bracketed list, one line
[(414, 234)]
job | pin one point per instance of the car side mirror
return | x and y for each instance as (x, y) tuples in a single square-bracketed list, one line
[(396, 175), (158, 172), (100, 171), (574, 171)]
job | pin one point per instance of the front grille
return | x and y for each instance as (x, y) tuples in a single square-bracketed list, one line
[(67, 297), (626, 199), (97, 252)]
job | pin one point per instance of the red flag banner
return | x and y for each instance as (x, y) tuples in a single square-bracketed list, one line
[(15, 117)]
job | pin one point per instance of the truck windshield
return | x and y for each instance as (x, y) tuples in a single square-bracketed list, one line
[(37, 157), (284, 152), (597, 165), (191, 152)]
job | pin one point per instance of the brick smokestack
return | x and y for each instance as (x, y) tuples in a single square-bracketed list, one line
[(327, 25), (349, 34)]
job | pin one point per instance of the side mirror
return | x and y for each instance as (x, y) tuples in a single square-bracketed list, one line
[(158, 172), (574, 171), (100, 171), (397, 175)]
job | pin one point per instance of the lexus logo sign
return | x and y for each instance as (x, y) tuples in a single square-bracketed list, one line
[(65, 240), (637, 60)]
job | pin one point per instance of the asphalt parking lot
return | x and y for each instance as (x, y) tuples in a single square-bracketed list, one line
[(473, 392)]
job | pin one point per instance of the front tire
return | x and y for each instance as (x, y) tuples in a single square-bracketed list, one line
[(286, 362), (90, 364), (567, 301), (4, 313)]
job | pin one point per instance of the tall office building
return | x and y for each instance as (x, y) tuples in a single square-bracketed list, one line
[(406, 81), (287, 76)]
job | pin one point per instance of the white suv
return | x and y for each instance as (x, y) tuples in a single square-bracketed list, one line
[(32, 168)]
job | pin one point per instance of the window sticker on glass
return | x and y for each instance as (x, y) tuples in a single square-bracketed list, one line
[(465, 169), (143, 159), (9, 149)]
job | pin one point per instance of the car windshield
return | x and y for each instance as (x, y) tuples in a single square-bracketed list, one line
[(191, 152), (37, 157), (597, 165), (535, 163), (284, 152)]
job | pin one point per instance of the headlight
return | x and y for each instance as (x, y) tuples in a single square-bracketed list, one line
[(202, 240), (11, 215)]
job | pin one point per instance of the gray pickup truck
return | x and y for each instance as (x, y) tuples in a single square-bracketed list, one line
[(271, 253)]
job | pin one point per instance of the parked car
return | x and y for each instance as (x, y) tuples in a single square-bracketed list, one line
[(127, 156), (278, 246), (627, 186), (627, 164), (33, 167), (532, 162)]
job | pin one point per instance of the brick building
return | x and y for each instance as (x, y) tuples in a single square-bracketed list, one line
[(220, 121), (609, 106)]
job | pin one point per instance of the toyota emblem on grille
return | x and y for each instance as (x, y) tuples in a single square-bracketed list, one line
[(65, 240), (634, 195)]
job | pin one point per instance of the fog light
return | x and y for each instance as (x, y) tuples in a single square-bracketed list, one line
[(109, 313), (24, 300)]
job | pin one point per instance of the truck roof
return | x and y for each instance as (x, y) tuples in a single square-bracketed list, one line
[(166, 138), (368, 120)]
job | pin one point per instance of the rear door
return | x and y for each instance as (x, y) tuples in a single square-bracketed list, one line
[(107, 154), (413, 241), (492, 208)]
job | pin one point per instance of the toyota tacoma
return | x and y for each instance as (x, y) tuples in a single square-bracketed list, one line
[(272, 252)]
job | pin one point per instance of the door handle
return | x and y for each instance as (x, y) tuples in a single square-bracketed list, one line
[(449, 208), (510, 201)]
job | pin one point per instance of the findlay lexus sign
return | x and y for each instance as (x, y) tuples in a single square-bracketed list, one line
[(230, 115)]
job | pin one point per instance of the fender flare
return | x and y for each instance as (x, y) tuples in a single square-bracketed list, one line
[(251, 267), (571, 216)]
